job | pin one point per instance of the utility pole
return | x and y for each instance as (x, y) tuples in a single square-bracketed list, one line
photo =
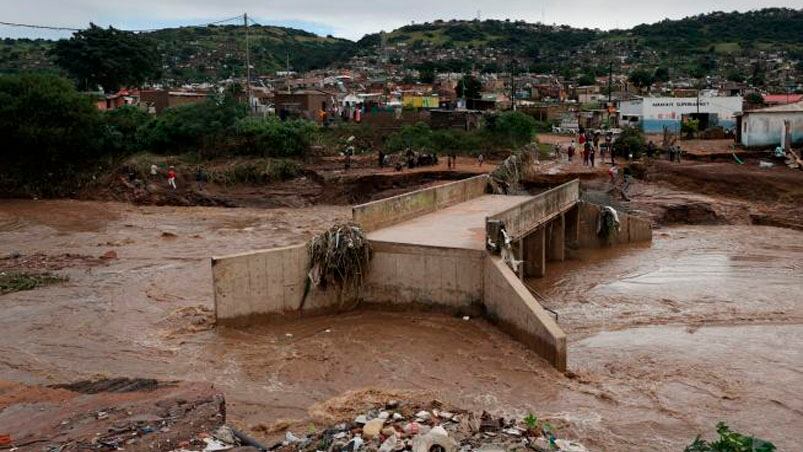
[(287, 71), (610, 91), (247, 63)]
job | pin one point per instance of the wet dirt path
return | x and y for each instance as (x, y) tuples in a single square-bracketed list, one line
[(646, 371)]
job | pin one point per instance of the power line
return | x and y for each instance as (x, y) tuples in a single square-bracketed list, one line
[(43, 27), (141, 30)]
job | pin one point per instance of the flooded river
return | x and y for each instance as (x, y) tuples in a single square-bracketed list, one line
[(664, 341)]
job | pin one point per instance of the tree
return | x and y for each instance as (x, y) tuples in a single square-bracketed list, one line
[(469, 87), (203, 126), (630, 142), (661, 74), (641, 78), (108, 57), (426, 75), (754, 98), (49, 130), (586, 80), (736, 76), (516, 127)]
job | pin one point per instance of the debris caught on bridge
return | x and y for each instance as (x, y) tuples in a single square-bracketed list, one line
[(506, 178), (608, 223), (338, 257)]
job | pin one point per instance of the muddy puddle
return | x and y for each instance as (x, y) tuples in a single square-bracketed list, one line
[(664, 341)]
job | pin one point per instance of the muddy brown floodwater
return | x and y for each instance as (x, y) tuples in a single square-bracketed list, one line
[(664, 341)]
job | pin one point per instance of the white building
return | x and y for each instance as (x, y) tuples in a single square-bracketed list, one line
[(653, 113), (766, 127)]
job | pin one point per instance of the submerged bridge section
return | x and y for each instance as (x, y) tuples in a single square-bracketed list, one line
[(437, 249)]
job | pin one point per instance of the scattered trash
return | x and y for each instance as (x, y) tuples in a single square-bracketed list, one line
[(372, 428), (437, 428), (765, 164), (466, 318), (288, 334), (361, 419)]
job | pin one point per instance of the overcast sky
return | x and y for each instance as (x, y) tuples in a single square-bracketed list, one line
[(352, 18)]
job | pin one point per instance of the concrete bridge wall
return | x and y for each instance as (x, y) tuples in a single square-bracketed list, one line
[(264, 283), (524, 218), (386, 212), (511, 305), (430, 277), (631, 229)]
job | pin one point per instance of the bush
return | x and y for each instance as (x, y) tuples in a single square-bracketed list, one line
[(418, 137), (273, 138), (631, 141), (255, 172), (123, 126), (690, 127), (518, 129), (48, 129), (205, 126)]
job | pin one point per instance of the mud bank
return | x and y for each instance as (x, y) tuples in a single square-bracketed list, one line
[(107, 414), (655, 355)]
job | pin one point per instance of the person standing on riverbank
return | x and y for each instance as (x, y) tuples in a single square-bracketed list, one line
[(171, 177)]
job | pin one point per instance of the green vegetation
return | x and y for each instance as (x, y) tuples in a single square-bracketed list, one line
[(630, 142), (642, 78), (468, 87), (19, 281), (203, 126), (49, 131), (506, 131), (56, 141), (690, 127), (107, 57), (272, 137), (730, 441), (254, 172)]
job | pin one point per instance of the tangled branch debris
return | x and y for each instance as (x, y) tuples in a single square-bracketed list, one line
[(608, 224), (339, 257), (506, 178)]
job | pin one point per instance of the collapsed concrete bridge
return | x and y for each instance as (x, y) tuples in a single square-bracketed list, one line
[(437, 248)]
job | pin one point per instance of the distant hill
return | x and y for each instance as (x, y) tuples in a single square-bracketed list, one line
[(212, 52), (495, 44), (207, 53), (695, 45)]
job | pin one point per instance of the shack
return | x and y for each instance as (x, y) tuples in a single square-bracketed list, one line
[(767, 126), (306, 103)]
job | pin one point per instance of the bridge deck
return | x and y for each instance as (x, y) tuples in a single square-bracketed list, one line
[(458, 226)]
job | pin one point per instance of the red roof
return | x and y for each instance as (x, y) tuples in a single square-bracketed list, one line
[(782, 99)]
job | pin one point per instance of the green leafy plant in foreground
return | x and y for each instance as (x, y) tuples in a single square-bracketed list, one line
[(531, 421), (730, 441)]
